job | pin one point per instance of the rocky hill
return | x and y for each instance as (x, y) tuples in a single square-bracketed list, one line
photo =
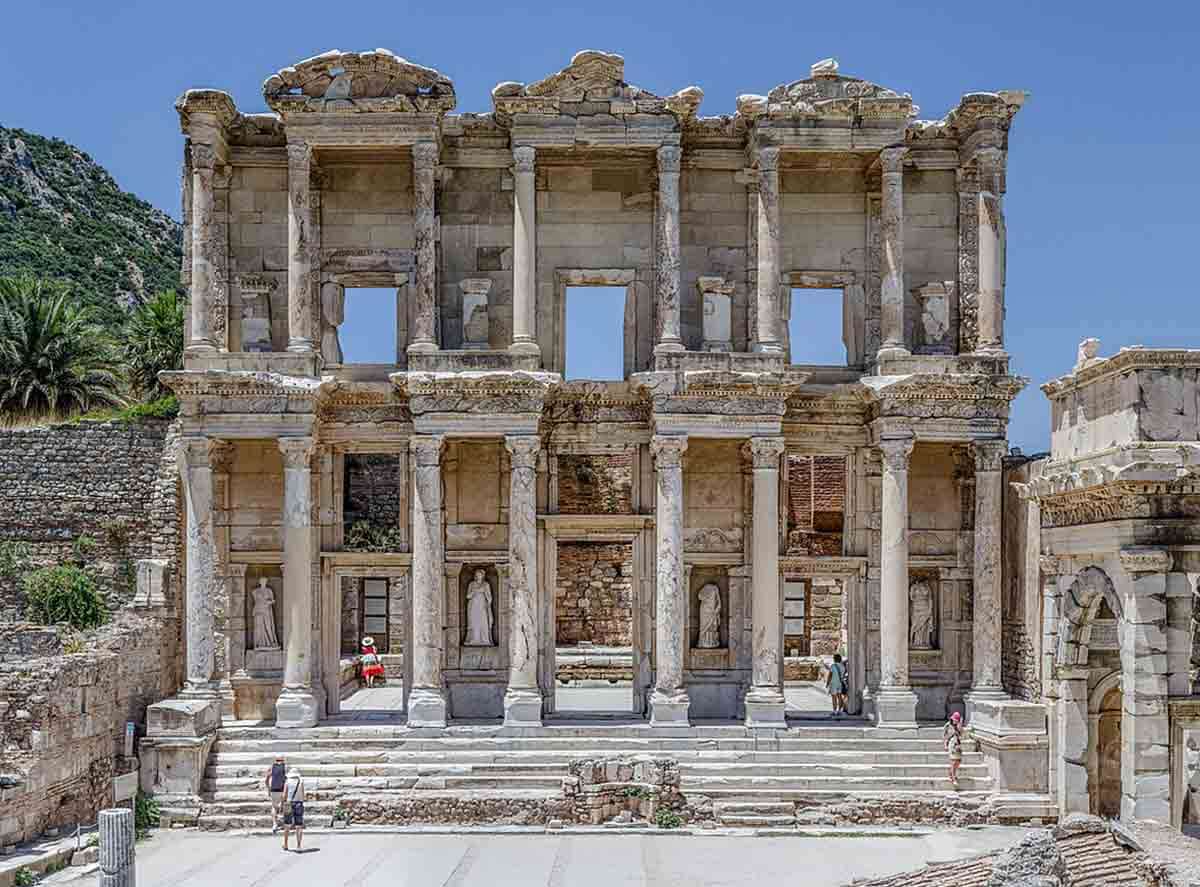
[(63, 216)]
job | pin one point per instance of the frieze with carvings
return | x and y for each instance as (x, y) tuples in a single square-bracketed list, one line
[(828, 94), (803, 567), (589, 402), (922, 396), (356, 82), (712, 539), (479, 393)]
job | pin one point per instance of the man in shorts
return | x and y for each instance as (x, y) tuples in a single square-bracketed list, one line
[(275, 781), (293, 808)]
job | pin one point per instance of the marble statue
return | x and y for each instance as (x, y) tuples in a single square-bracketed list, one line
[(920, 616), (710, 617), (1191, 775), (264, 617), (479, 612)]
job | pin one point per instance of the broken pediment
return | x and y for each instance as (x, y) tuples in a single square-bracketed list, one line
[(826, 93), (378, 80)]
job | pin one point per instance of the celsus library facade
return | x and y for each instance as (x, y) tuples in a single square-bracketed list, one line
[(723, 514)]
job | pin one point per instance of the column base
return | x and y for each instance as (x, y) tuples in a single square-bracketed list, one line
[(426, 708), (300, 346), (524, 346), (522, 708), (768, 348), (893, 352), (896, 707), (668, 345), (200, 346), (766, 707), (295, 708), (422, 347), (669, 709)]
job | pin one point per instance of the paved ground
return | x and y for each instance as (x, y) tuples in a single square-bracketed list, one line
[(197, 859)]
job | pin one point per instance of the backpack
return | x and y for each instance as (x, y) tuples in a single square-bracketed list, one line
[(278, 777)]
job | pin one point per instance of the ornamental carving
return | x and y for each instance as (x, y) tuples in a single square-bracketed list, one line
[(712, 539), (297, 452), (828, 94), (426, 450), (355, 82), (896, 453), (764, 452), (668, 450), (989, 454), (1145, 560), (524, 159), (523, 451)]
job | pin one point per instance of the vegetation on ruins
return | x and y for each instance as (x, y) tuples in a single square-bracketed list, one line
[(667, 819), (153, 343), (64, 593), (365, 536)]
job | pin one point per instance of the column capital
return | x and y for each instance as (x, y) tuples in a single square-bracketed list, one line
[(297, 451), (989, 454), (220, 455), (967, 181), (767, 158), (425, 154), (197, 452), (524, 158), (203, 156), (763, 452), (892, 160), (1049, 564), (668, 450), (299, 154), (896, 452), (1139, 559), (668, 158), (523, 449), (426, 450)]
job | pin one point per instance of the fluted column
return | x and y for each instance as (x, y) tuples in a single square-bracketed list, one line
[(891, 275), (990, 163), (768, 250), (296, 705), (524, 261), (300, 233), (117, 852), (669, 700), (425, 162), (427, 701), (204, 276), (895, 703), (985, 631), (765, 704), (666, 243), (195, 467), (523, 698)]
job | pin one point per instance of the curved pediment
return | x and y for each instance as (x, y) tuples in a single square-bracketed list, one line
[(378, 80), (828, 93)]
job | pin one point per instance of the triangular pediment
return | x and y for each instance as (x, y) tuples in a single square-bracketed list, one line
[(830, 94), (378, 80)]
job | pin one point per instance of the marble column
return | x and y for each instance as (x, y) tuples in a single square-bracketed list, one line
[(425, 163), (985, 629), (666, 243), (990, 163), (296, 705), (204, 272), (524, 262), (300, 233), (669, 700), (195, 467), (768, 251), (891, 275), (765, 704), (523, 698), (427, 699), (895, 703)]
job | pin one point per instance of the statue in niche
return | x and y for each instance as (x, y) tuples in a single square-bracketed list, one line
[(479, 612), (333, 312), (264, 617), (920, 616), (710, 617)]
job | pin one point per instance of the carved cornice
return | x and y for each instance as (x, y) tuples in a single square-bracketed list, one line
[(213, 103), (1125, 360), (481, 392), (358, 82), (668, 450), (1145, 560), (238, 384), (980, 109), (803, 567)]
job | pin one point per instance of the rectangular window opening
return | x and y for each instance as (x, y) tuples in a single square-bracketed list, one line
[(815, 327), (595, 333), (367, 333)]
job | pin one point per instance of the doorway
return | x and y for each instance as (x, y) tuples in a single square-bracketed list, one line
[(374, 605), (1108, 757), (815, 629)]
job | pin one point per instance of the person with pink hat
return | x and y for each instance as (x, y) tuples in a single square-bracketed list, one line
[(952, 740)]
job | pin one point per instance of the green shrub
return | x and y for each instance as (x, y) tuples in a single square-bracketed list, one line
[(365, 536), (665, 818), (24, 877), (14, 558), (63, 594), (145, 815)]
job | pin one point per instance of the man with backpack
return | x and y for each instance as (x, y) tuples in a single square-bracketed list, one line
[(836, 683), (275, 781)]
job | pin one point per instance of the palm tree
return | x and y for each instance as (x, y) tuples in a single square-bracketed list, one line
[(154, 342), (54, 359)]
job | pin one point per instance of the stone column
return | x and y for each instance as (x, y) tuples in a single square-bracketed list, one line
[(768, 250), (425, 163), (669, 700), (117, 848), (427, 700), (296, 705), (523, 698), (895, 704), (891, 275), (765, 705), (985, 629), (666, 242), (990, 162), (204, 273), (195, 466), (300, 223), (524, 262)]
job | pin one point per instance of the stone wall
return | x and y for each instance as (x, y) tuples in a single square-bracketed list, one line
[(1020, 584), (63, 716), (114, 482), (372, 488), (816, 504), (594, 595), (595, 484)]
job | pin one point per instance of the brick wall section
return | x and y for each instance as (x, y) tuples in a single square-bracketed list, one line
[(595, 484), (98, 479), (1018, 664), (372, 486), (816, 504), (62, 718), (594, 594)]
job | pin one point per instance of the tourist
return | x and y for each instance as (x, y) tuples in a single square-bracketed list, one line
[(835, 682), (293, 808), (371, 666), (274, 781), (952, 740)]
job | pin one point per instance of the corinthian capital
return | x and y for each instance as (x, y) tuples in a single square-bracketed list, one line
[(523, 450), (426, 449), (297, 451), (425, 154), (896, 453), (196, 452), (524, 157), (668, 158), (768, 158), (892, 159), (763, 452), (668, 450), (299, 155), (989, 454)]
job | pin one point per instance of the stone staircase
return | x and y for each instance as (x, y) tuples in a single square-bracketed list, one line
[(752, 780)]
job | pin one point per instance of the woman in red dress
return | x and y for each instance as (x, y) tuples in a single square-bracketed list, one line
[(371, 666)]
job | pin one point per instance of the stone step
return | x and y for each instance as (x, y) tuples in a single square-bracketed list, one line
[(218, 769), (824, 795), (349, 784), (560, 731), (706, 785), (752, 820)]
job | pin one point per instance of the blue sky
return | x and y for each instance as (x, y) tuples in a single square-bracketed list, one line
[(1104, 169)]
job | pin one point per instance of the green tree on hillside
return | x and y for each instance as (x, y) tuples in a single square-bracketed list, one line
[(55, 360), (154, 342)]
